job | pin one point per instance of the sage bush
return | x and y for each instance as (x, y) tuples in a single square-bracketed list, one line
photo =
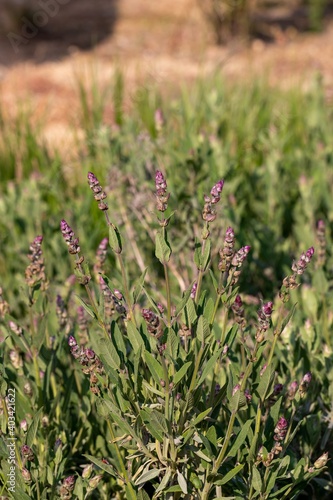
[(171, 384)]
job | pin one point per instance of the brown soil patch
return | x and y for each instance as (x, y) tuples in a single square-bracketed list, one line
[(154, 43)]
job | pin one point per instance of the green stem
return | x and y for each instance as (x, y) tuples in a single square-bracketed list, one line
[(197, 366), (126, 289), (168, 293), (130, 489)]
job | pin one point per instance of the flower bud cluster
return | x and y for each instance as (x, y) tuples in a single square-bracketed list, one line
[(209, 212), (67, 487), (237, 261), (27, 453), (227, 252), (113, 301), (238, 310), (152, 321), (91, 364), (4, 306), (35, 272), (97, 189), (101, 256), (71, 241), (264, 316), (298, 268), (304, 385), (161, 194), (15, 359), (280, 433), (321, 238)]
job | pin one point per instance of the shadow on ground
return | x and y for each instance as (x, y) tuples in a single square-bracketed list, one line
[(44, 30)]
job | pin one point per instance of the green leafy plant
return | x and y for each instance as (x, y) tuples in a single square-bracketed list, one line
[(180, 395)]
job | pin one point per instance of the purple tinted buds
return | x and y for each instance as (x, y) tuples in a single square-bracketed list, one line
[(292, 389), (67, 487), (300, 266), (304, 385), (278, 388), (152, 321), (97, 189), (280, 430), (248, 395), (238, 310), (69, 237), (101, 256), (35, 272), (27, 453), (227, 252), (264, 316), (240, 256), (71, 341), (216, 191), (162, 196), (194, 290)]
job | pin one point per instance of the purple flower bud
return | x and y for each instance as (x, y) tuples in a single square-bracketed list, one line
[(162, 197), (267, 309), (216, 191), (71, 341), (304, 385), (118, 294), (160, 182), (69, 237), (225, 350), (282, 424), (97, 189), (194, 290), (69, 483), (24, 425), (248, 395), (26, 475), (240, 256), (90, 354), (160, 307), (292, 389), (278, 388), (263, 369), (27, 453), (57, 444)]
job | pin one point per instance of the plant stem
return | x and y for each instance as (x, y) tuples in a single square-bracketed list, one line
[(132, 494)]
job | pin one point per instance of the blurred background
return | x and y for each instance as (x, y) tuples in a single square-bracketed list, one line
[(46, 44)]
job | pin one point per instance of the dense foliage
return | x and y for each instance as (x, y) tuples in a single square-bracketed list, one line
[(181, 349)]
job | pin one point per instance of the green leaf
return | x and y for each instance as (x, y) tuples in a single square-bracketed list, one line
[(214, 280), (101, 465), (287, 319), (162, 247), (227, 477), (256, 479), (197, 253), (115, 239), (148, 475), (155, 423), (209, 367), (181, 372), (172, 344), (32, 431), (154, 367), (143, 495), (241, 436), (38, 339), (182, 303), (182, 482), (138, 285), (108, 353), (85, 306), (206, 256), (190, 313), (134, 337), (200, 417), (203, 329), (163, 484), (266, 383)]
